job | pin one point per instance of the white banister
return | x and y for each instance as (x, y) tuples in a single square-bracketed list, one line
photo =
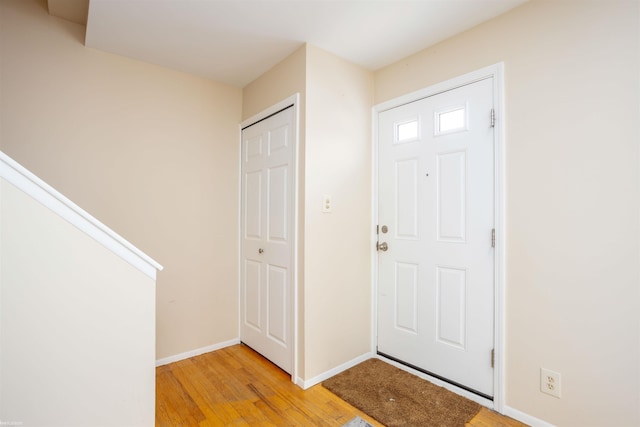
[(16, 174)]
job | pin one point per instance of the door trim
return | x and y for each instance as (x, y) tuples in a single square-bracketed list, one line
[(293, 100), (496, 72)]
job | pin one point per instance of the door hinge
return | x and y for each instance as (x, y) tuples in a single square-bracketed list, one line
[(493, 357), (493, 118), (493, 237)]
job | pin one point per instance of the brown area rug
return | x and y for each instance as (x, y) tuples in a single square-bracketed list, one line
[(397, 398)]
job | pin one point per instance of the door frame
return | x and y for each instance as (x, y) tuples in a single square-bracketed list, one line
[(496, 72), (294, 101)]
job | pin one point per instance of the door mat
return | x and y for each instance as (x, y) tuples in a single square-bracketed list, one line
[(397, 398)]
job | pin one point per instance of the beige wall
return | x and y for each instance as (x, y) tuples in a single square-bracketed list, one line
[(78, 324), (335, 159), (572, 268), (337, 245), (279, 83), (283, 80), (150, 152)]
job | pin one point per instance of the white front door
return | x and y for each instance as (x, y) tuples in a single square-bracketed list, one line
[(436, 215), (267, 237)]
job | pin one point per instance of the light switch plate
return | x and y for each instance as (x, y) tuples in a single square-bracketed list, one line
[(326, 203)]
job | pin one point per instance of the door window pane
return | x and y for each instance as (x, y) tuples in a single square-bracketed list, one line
[(451, 121), (407, 131)]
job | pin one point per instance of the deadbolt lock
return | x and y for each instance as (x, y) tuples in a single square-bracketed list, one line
[(384, 229)]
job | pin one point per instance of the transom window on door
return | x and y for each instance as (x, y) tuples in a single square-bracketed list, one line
[(451, 120)]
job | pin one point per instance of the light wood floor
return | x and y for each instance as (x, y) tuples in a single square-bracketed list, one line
[(236, 386)]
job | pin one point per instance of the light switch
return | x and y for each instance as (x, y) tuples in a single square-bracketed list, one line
[(326, 203)]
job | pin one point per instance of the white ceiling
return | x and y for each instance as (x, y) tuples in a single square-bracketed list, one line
[(235, 41)]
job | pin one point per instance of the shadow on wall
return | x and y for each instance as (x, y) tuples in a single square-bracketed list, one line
[(76, 30)]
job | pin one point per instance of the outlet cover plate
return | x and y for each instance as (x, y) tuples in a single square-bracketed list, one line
[(550, 382)]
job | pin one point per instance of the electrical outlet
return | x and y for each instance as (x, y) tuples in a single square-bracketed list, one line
[(550, 382), (326, 203)]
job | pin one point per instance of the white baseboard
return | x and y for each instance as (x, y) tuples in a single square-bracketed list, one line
[(196, 352), (305, 384), (525, 418)]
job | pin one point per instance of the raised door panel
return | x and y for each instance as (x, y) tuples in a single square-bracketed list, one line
[(253, 294), (278, 203), (452, 196), (406, 199), (253, 205), (406, 297), (451, 306), (277, 290)]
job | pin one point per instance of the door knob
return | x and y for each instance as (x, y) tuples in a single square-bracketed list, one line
[(382, 246), (260, 250)]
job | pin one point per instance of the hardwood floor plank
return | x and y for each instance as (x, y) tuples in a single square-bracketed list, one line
[(209, 399), (236, 386), (489, 418), (173, 402)]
